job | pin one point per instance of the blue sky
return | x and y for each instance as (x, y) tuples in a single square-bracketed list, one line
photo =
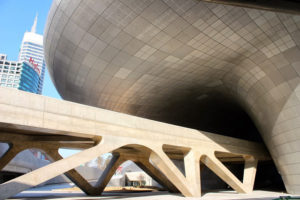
[(17, 16)]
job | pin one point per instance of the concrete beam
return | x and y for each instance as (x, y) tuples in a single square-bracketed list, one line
[(52, 170), (73, 175), (129, 137)]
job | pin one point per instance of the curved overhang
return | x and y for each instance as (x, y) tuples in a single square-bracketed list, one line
[(171, 60), (286, 6)]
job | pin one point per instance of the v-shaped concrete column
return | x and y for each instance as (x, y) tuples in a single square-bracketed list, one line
[(72, 174), (249, 172), (166, 166), (10, 154), (52, 170), (147, 167), (224, 173), (192, 171), (82, 183), (109, 171)]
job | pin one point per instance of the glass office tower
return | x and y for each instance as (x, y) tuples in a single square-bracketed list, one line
[(32, 51)]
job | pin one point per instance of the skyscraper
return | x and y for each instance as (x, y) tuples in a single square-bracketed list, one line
[(20, 75), (32, 51), (26, 74)]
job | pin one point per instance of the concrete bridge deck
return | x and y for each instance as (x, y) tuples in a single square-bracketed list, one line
[(34, 121)]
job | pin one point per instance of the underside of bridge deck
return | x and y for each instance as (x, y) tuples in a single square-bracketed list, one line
[(150, 144)]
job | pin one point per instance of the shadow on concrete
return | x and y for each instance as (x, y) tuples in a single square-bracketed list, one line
[(207, 195), (106, 195)]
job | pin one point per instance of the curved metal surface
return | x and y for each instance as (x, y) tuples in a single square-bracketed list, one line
[(159, 59)]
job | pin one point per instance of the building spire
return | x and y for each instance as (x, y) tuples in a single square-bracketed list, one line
[(33, 28)]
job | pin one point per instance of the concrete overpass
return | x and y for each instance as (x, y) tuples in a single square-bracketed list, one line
[(33, 121), (219, 68)]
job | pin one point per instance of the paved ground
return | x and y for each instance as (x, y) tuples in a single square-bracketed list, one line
[(257, 195), (50, 192)]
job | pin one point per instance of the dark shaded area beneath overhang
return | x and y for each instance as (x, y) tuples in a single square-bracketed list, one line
[(211, 112), (267, 177), (216, 112)]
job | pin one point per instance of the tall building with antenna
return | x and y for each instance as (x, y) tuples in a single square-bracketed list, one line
[(32, 51), (26, 74)]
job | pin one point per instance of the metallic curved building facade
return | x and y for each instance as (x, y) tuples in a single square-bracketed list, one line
[(231, 70)]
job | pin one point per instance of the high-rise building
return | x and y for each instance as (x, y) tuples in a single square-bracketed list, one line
[(32, 51), (26, 74), (20, 75)]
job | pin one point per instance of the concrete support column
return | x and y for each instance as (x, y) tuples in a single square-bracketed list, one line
[(147, 167), (249, 172), (10, 154), (109, 171), (166, 166), (52, 170), (220, 170), (73, 175), (192, 171)]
